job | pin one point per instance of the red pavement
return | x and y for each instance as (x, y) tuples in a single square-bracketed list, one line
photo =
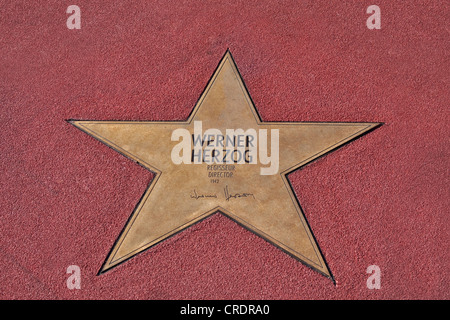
[(382, 199)]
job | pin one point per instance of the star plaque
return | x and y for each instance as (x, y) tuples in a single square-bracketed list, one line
[(225, 159)]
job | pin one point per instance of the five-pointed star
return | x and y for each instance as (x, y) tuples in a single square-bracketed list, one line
[(183, 194)]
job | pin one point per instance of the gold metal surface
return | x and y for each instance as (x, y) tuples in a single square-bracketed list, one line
[(182, 194)]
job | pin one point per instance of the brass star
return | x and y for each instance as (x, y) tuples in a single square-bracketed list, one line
[(185, 193)]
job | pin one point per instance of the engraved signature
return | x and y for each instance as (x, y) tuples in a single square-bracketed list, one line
[(228, 196), (196, 196)]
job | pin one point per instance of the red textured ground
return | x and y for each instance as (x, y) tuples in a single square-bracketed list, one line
[(382, 199)]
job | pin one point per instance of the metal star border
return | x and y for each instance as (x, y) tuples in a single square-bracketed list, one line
[(167, 206)]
